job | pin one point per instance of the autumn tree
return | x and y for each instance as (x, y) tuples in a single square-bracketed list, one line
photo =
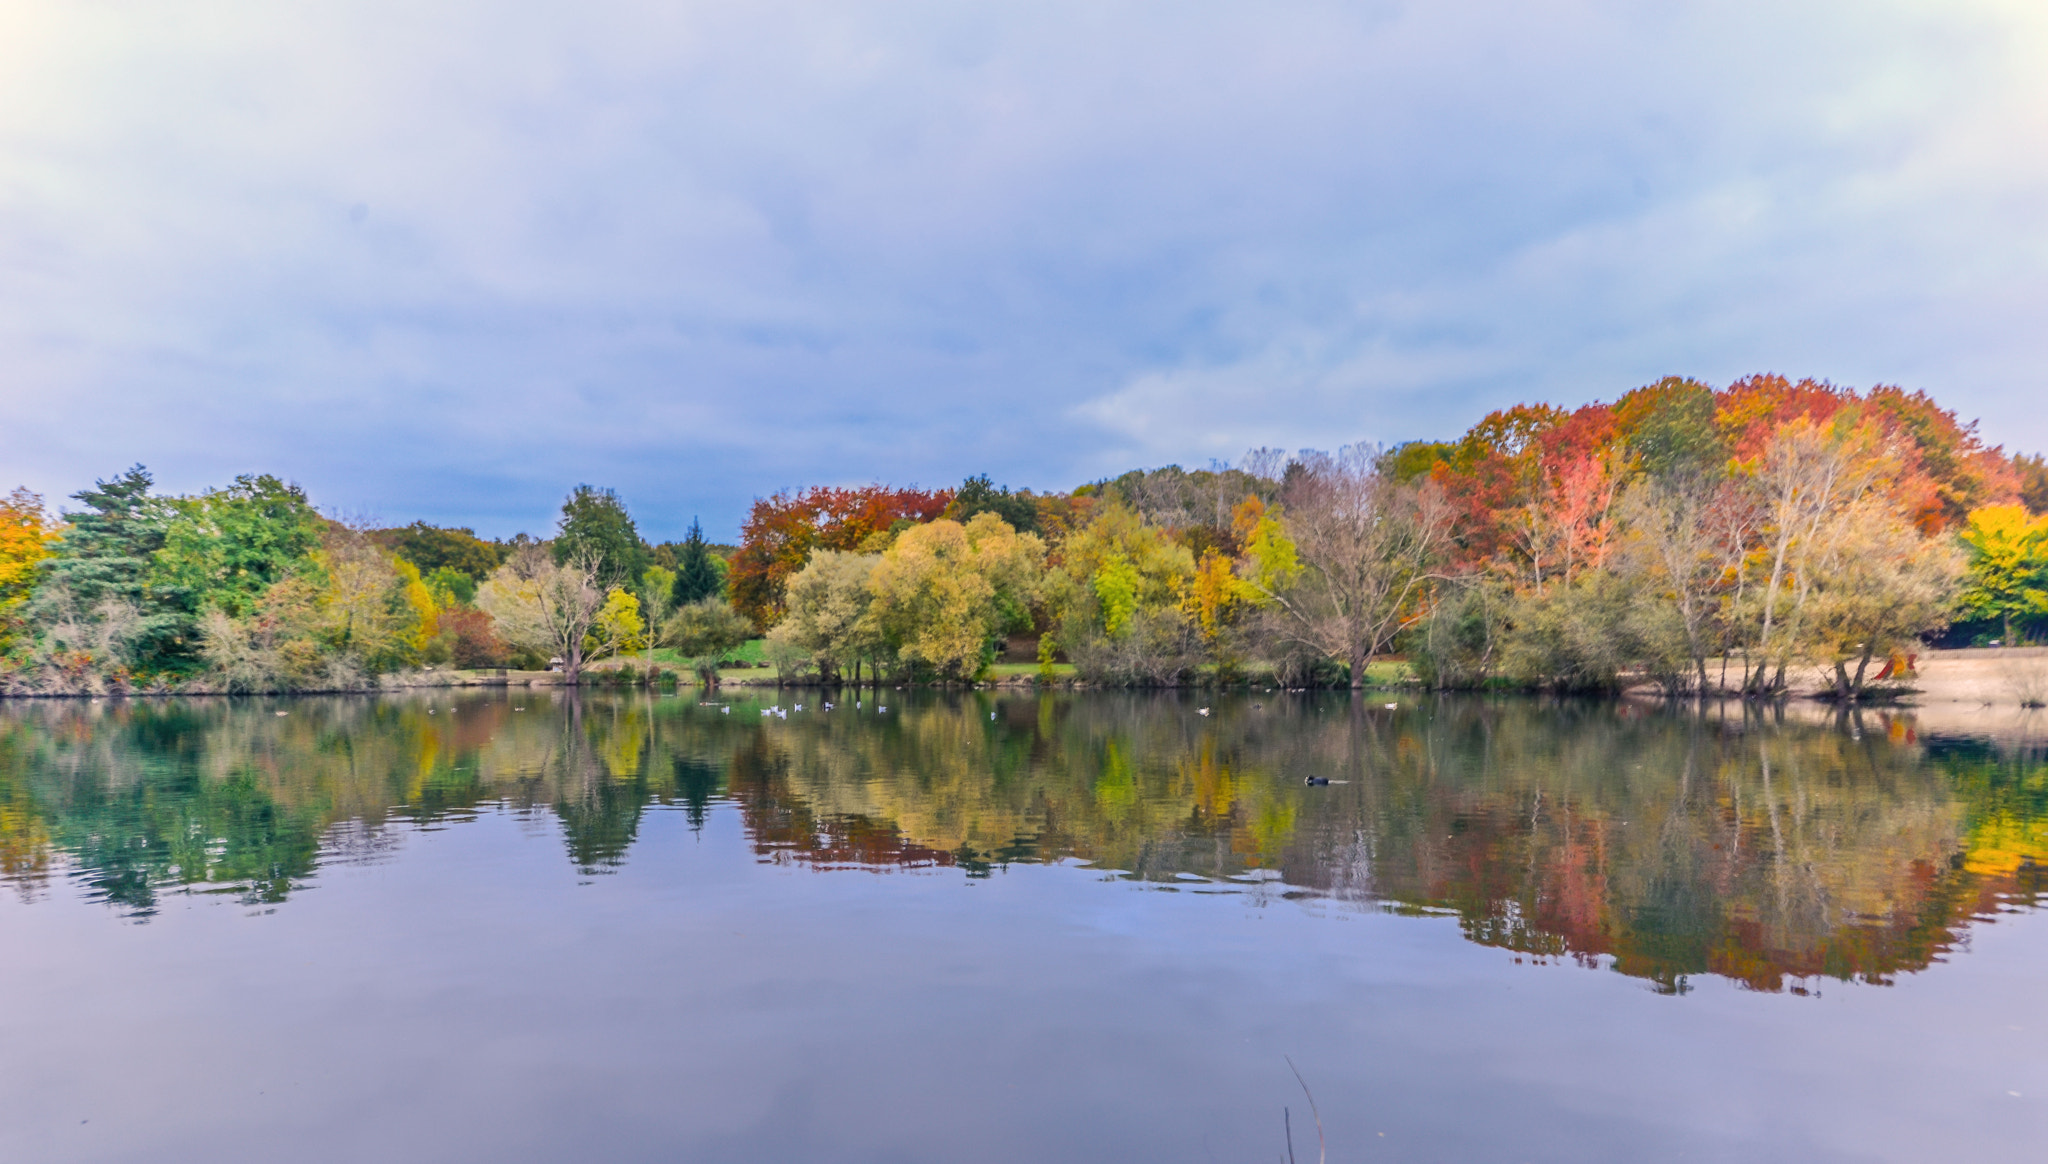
[(1677, 552), (1878, 586), (944, 591), (2007, 576), (830, 616), (1804, 477), (1366, 544), (1113, 591), (25, 536), (781, 532), (547, 606)]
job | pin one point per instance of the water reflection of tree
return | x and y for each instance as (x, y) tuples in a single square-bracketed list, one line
[(1667, 844)]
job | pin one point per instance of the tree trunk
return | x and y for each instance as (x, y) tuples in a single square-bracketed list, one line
[(1862, 665), (573, 667), (1358, 661)]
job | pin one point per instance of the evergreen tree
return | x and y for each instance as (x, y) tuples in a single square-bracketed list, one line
[(102, 563), (697, 576), (980, 495)]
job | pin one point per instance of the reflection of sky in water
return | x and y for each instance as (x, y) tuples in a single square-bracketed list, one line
[(1105, 926)]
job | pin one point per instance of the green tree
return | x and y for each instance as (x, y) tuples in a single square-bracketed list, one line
[(980, 495), (225, 547), (830, 615), (699, 573), (96, 577), (435, 548), (596, 528), (2007, 576), (705, 632)]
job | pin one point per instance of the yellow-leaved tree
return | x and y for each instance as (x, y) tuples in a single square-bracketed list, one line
[(618, 627), (2008, 570), (944, 591)]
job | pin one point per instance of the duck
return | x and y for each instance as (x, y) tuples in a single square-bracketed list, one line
[(1316, 781)]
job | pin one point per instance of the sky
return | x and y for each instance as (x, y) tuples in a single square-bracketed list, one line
[(445, 260)]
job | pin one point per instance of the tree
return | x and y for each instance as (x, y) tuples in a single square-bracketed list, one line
[(656, 595), (1366, 544), (1675, 549), (225, 547), (1805, 475), (373, 608), (944, 590), (978, 495), (1878, 586), (618, 627), (829, 614), (546, 606), (698, 575), (1109, 574), (705, 632), (25, 537), (595, 528), (2032, 474), (434, 548), (2007, 577), (97, 572), (781, 531)]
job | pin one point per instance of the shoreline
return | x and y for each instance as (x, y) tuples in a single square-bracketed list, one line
[(1949, 685)]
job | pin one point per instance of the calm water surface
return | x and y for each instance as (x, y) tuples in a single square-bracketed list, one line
[(531, 926)]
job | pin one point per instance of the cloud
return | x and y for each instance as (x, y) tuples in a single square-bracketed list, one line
[(445, 260)]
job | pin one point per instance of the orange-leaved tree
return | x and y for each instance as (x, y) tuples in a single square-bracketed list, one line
[(781, 531), (25, 536)]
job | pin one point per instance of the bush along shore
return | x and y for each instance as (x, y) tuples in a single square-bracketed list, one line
[(1763, 539)]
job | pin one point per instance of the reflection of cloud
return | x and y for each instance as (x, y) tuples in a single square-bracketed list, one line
[(436, 260)]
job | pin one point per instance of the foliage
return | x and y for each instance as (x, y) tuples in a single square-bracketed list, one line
[(2008, 567), (436, 548), (706, 632), (93, 589), (1108, 569), (830, 621), (1366, 544), (550, 608), (782, 531), (25, 537), (596, 529), (618, 627), (225, 547), (978, 495), (699, 574), (2032, 474), (944, 591)]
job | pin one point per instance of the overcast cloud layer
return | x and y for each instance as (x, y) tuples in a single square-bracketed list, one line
[(445, 260)]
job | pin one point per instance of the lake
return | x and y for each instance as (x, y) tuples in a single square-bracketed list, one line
[(1012, 926)]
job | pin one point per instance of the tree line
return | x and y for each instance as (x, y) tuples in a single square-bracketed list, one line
[(249, 588), (1702, 538)]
